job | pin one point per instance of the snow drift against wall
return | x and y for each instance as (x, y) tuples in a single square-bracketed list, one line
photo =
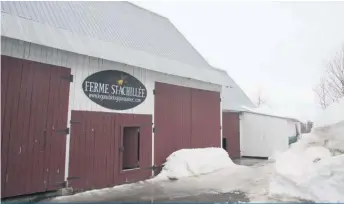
[(313, 168), (194, 162)]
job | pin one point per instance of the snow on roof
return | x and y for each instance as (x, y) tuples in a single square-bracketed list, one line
[(234, 97), (268, 112), (116, 31)]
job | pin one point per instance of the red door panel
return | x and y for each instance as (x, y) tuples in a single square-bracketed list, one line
[(184, 118), (29, 114), (95, 155), (231, 131)]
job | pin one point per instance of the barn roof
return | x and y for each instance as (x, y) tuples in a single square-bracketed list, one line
[(116, 31), (119, 22)]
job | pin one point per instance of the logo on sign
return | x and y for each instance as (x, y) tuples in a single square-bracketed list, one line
[(115, 90)]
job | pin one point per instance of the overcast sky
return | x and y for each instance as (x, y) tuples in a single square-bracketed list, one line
[(278, 48)]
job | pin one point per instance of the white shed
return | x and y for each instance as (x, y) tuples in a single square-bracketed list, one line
[(99, 93), (262, 134)]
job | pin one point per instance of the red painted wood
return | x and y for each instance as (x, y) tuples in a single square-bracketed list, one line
[(184, 118), (30, 109), (231, 131), (41, 99), (205, 123), (25, 111), (11, 128), (74, 151), (5, 99), (100, 165), (51, 136), (144, 122)]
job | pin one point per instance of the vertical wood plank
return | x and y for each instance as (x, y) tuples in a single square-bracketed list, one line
[(24, 114), (5, 71), (10, 129), (50, 149)]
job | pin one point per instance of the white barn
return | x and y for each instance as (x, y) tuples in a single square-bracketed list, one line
[(95, 94)]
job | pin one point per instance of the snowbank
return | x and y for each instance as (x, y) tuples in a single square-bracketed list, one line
[(330, 127), (194, 162), (313, 168), (321, 181)]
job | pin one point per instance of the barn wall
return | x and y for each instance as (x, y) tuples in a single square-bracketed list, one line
[(34, 111), (185, 118), (83, 66), (262, 136), (231, 131)]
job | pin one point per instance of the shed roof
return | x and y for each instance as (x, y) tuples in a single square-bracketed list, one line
[(117, 31), (269, 112)]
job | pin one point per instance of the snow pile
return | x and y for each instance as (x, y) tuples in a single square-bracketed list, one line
[(313, 168), (194, 162), (330, 127)]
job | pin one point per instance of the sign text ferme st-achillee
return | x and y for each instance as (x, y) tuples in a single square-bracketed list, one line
[(97, 87), (114, 89)]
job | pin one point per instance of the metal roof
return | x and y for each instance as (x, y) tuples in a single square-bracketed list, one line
[(268, 112), (119, 22), (115, 31), (233, 97)]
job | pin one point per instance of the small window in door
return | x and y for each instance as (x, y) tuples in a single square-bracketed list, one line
[(224, 143), (131, 148)]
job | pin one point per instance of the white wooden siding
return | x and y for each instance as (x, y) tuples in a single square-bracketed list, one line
[(263, 136), (82, 66)]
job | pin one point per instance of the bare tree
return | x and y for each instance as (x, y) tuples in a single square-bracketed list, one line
[(331, 86), (322, 92), (260, 100)]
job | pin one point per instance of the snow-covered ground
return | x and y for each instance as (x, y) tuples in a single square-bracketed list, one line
[(194, 172), (313, 168)]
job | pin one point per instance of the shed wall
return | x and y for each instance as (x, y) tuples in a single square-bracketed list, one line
[(83, 66), (263, 136)]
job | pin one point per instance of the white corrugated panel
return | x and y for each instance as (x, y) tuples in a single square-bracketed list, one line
[(116, 31), (264, 136), (119, 22)]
